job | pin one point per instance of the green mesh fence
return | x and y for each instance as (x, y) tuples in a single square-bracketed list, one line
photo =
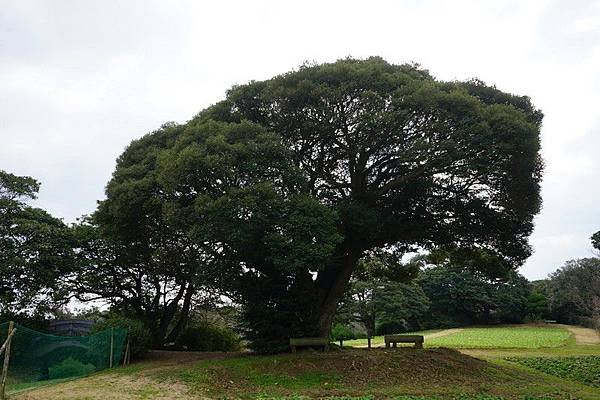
[(37, 356)]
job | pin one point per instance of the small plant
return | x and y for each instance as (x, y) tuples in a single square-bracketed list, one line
[(585, 369), (70, 367)]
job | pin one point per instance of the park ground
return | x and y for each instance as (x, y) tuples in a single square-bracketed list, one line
[(529, 362)]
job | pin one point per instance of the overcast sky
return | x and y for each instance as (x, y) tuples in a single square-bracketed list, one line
[(80, 79)]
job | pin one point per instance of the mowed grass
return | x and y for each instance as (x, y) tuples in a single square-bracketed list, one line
[(517, 336), (522, 337)]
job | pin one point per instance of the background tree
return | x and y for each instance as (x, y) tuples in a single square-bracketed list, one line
[(460, 297), (537, 304), (596, 240), (574, 292), (380, 299), (402, 159), (36, 249), (132, 255)]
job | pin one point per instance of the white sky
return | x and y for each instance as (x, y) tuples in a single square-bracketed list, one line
[(80, 79)]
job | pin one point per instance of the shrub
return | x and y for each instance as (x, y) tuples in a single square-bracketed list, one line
[(69, 367), (389, 328), (208, 337), (139, 335), (340, 331)]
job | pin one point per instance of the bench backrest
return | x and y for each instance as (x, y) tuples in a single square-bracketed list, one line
[(309, 341), (404, 338)]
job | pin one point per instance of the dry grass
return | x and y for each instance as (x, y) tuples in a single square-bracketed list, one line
[(584, 336)]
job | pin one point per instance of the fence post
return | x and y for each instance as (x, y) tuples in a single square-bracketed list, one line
[(127, 349), (6, 359), (112, 339)]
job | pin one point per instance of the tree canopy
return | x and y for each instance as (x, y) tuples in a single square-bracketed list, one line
[(37, 249), (403, 159), (276, 192)]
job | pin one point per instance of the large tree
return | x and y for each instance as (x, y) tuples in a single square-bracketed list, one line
[(304, 173), (212, 206), (36, 249), (403, 159)]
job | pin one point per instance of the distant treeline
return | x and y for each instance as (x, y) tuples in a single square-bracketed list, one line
[(451, 295)]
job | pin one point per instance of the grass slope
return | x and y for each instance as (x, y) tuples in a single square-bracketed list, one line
[(401, 374), (382, 374)]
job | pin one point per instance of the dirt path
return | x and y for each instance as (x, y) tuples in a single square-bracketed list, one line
[(583, 335), (445, 332)]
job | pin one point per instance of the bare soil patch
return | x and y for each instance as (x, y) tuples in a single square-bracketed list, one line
[(583, 335)]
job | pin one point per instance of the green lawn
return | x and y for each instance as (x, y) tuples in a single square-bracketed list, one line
[(523, 337)]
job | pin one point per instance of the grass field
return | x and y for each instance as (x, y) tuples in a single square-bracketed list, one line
[(526, 373), (525, 337)]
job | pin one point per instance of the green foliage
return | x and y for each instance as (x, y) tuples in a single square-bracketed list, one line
[(376, 299), (208, 337), (273, 195), (461, 297), (70, 367), (140, 338), (596, 240), (339, 331), (36, 248), (582, 369), (574, 292), (537, 305)]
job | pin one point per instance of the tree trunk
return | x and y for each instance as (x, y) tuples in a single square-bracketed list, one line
[(183, 315), (332, 287)]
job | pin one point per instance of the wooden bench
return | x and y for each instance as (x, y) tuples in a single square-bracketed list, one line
[(309, 342), (394, 339)]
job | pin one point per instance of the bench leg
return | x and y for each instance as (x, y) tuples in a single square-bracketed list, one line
[(293, 349), (387, 345), (395, 345), (418, 345)]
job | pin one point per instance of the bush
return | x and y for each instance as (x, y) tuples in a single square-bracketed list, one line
[(391, 327), (70, 367), (208, 337), (340, 331), (139, 335)]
